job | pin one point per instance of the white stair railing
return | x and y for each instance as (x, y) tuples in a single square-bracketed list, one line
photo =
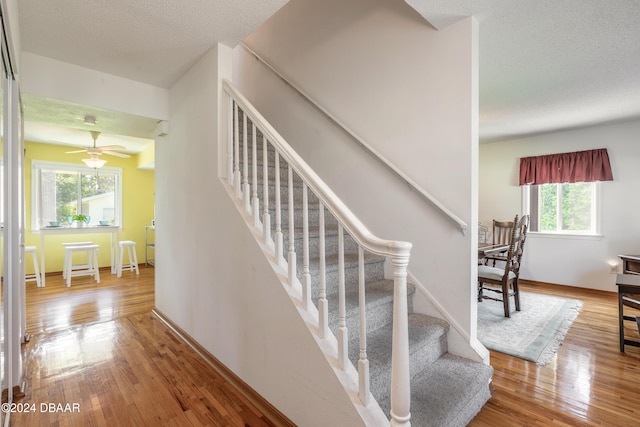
[(241, 151)]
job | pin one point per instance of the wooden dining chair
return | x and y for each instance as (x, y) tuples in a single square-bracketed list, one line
[(501, 236), (504, 281)]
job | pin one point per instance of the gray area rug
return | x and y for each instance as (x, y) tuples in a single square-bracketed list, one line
[(535, 333)]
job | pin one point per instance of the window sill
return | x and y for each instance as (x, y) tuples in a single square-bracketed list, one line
[(73, 230), (570, 236)]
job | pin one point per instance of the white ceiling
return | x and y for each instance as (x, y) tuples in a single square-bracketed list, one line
[(545, 65)]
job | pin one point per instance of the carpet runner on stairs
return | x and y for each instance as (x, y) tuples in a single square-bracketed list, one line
[(446, 390)]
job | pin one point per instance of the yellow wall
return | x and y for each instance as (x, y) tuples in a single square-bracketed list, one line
[(147, 157), (137, 205)]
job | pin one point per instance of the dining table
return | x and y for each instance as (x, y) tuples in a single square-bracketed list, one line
[(86, 229), (488, 249)]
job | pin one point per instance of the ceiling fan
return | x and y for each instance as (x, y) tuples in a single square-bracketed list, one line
[(94, 160)]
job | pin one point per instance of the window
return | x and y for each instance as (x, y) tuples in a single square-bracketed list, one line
[(60, 190), (565, 208), (561, 190)]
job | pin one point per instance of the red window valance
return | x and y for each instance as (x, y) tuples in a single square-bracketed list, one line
[(578, 166)]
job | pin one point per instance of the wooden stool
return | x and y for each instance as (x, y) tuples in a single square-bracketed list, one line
[(133, 257), (66, 255), (36, 266), (92, 268)]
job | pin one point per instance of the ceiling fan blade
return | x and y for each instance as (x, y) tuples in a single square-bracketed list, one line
[(115, 153), (110, 147), (76, 151)]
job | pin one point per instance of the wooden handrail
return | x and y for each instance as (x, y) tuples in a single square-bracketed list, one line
[(352, 224), (413, 186)]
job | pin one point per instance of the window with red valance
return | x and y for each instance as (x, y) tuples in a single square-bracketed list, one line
[(562, 190), (578, 166)]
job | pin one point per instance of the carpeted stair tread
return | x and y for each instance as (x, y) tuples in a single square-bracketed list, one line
[(427, 343), (379, 303), (373, 267), (448, 393)]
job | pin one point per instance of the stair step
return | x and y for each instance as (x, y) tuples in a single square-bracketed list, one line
[(330, 241), (313, 212), (449, 392), (379, 303), (374, 271), (427, 343)]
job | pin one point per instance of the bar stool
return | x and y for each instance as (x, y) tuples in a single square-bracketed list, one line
[(36, 266), (133, 259), (66, 255), (92, 268)]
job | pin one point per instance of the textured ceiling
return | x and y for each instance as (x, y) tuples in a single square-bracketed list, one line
[(545, 65), (152, 42)]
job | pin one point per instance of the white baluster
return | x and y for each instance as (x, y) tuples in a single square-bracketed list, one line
[(255, 204), (279, 238), (266, 218), (343, 333), (306, 276), (236, 153), (292, 242), (246, 190), (230, 135), (363, 361), (323, 305), (400, 380)]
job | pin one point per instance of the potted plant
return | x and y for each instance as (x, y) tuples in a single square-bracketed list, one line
[(82, 219)]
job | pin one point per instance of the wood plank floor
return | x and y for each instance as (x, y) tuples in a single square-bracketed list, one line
[(99, 346), (589, 383), (97, 351)]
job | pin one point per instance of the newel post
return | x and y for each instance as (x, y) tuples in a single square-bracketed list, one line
[(400, 377)]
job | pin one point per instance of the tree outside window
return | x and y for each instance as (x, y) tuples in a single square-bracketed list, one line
[(564, 208), (63, 190)]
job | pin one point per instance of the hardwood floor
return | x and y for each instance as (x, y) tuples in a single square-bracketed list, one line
[(99, 346), (589, 383), (100, 356)]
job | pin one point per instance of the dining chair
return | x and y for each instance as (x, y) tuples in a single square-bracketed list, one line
[(501, 236), (504, 280)]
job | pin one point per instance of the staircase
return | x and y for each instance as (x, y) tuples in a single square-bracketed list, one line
[(445, 390)]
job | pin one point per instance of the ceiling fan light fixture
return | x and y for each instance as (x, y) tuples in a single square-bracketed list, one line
[(90, 120), (94, 162)]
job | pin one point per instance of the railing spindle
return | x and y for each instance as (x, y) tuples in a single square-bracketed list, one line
[(279, 244), (363, 361), (343, 333), (323, 305), (255, 204), (245, 166), (306, 276), (292, 241), (266, 218), (236, 135), (230, 134)]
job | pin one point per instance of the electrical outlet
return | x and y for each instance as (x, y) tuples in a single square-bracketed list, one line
[(613, 269)]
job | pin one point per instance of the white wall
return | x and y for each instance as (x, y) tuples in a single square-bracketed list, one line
[(211, 278), (53, 79), (409, 91), (573, 261)]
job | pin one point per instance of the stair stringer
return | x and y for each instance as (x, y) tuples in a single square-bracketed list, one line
[(372, 414), (460, 343)]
